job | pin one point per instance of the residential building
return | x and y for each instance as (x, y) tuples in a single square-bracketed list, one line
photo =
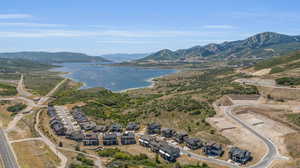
[(240, 156), (87, 126), (115, 128), (76, 136), (132, 126), (165, 150), (153, 128), (213, 149), (169, 152), (193, 143), (110, 139), (168, 132), (180, 137), (59, 129), (154, 145), (100, 128), (90, 139), (145, 141), (79, 116), (128, 138), (51, 111)]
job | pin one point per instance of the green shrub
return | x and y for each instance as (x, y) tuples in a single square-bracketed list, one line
[(108, 152), (276, 70), (17, 108), (84, 160), (288, 81), (277, 61)]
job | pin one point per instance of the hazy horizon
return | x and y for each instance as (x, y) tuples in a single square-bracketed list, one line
[(113, 27)]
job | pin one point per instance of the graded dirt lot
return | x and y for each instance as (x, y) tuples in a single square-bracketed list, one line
[(292, 142), (242, 138), (262, 72), (239, 136), (35, 154), (269, 128), (24, 128)]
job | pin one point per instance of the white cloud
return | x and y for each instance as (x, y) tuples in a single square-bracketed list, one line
[(218, 27), (15, 16), (24, 24)]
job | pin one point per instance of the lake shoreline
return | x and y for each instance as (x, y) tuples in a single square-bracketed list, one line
[(151, 81)]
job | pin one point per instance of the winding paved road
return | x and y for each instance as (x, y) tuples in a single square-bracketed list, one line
[(272, 153), (208, 159)]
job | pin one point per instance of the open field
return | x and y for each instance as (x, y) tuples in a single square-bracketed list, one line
[(24, 128), (5, 116), (7, 90), (40, 83), (10, 76), (35, 154)]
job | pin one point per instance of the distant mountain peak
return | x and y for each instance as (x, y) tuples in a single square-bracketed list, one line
[(267, 38), (252, 47)]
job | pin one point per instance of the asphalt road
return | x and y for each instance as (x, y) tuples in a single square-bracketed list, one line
[(272, 151), (6, 153), (21, 89), (208, 159)]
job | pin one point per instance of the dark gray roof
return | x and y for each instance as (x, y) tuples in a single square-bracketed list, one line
[(110, 136), (100, 128), (132, 126), (57, 126), (76, 135), (146, 138), (239, 152), (90, 137), (128, 135), (192, 140), (88, 125), (154, 126), (169, 149), (54, 121), (115, 128)]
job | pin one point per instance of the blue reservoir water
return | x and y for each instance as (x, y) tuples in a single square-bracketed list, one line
[(115, 78)]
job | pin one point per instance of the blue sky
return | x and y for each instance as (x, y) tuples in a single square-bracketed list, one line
[(135, 26)]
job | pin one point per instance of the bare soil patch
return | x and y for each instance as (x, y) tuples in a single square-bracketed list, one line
[(35, 154), (5, 116), (24, 128)]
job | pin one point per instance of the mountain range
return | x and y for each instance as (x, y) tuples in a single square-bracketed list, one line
[(123, 57), (53, 57), (261, 45)]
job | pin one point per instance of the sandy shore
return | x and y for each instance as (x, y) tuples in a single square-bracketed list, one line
[(150, 80)]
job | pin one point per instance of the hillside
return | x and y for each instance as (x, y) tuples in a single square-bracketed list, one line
[(21, 65), (53, 57), (259, 46), (282, 64), (121, 57)]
